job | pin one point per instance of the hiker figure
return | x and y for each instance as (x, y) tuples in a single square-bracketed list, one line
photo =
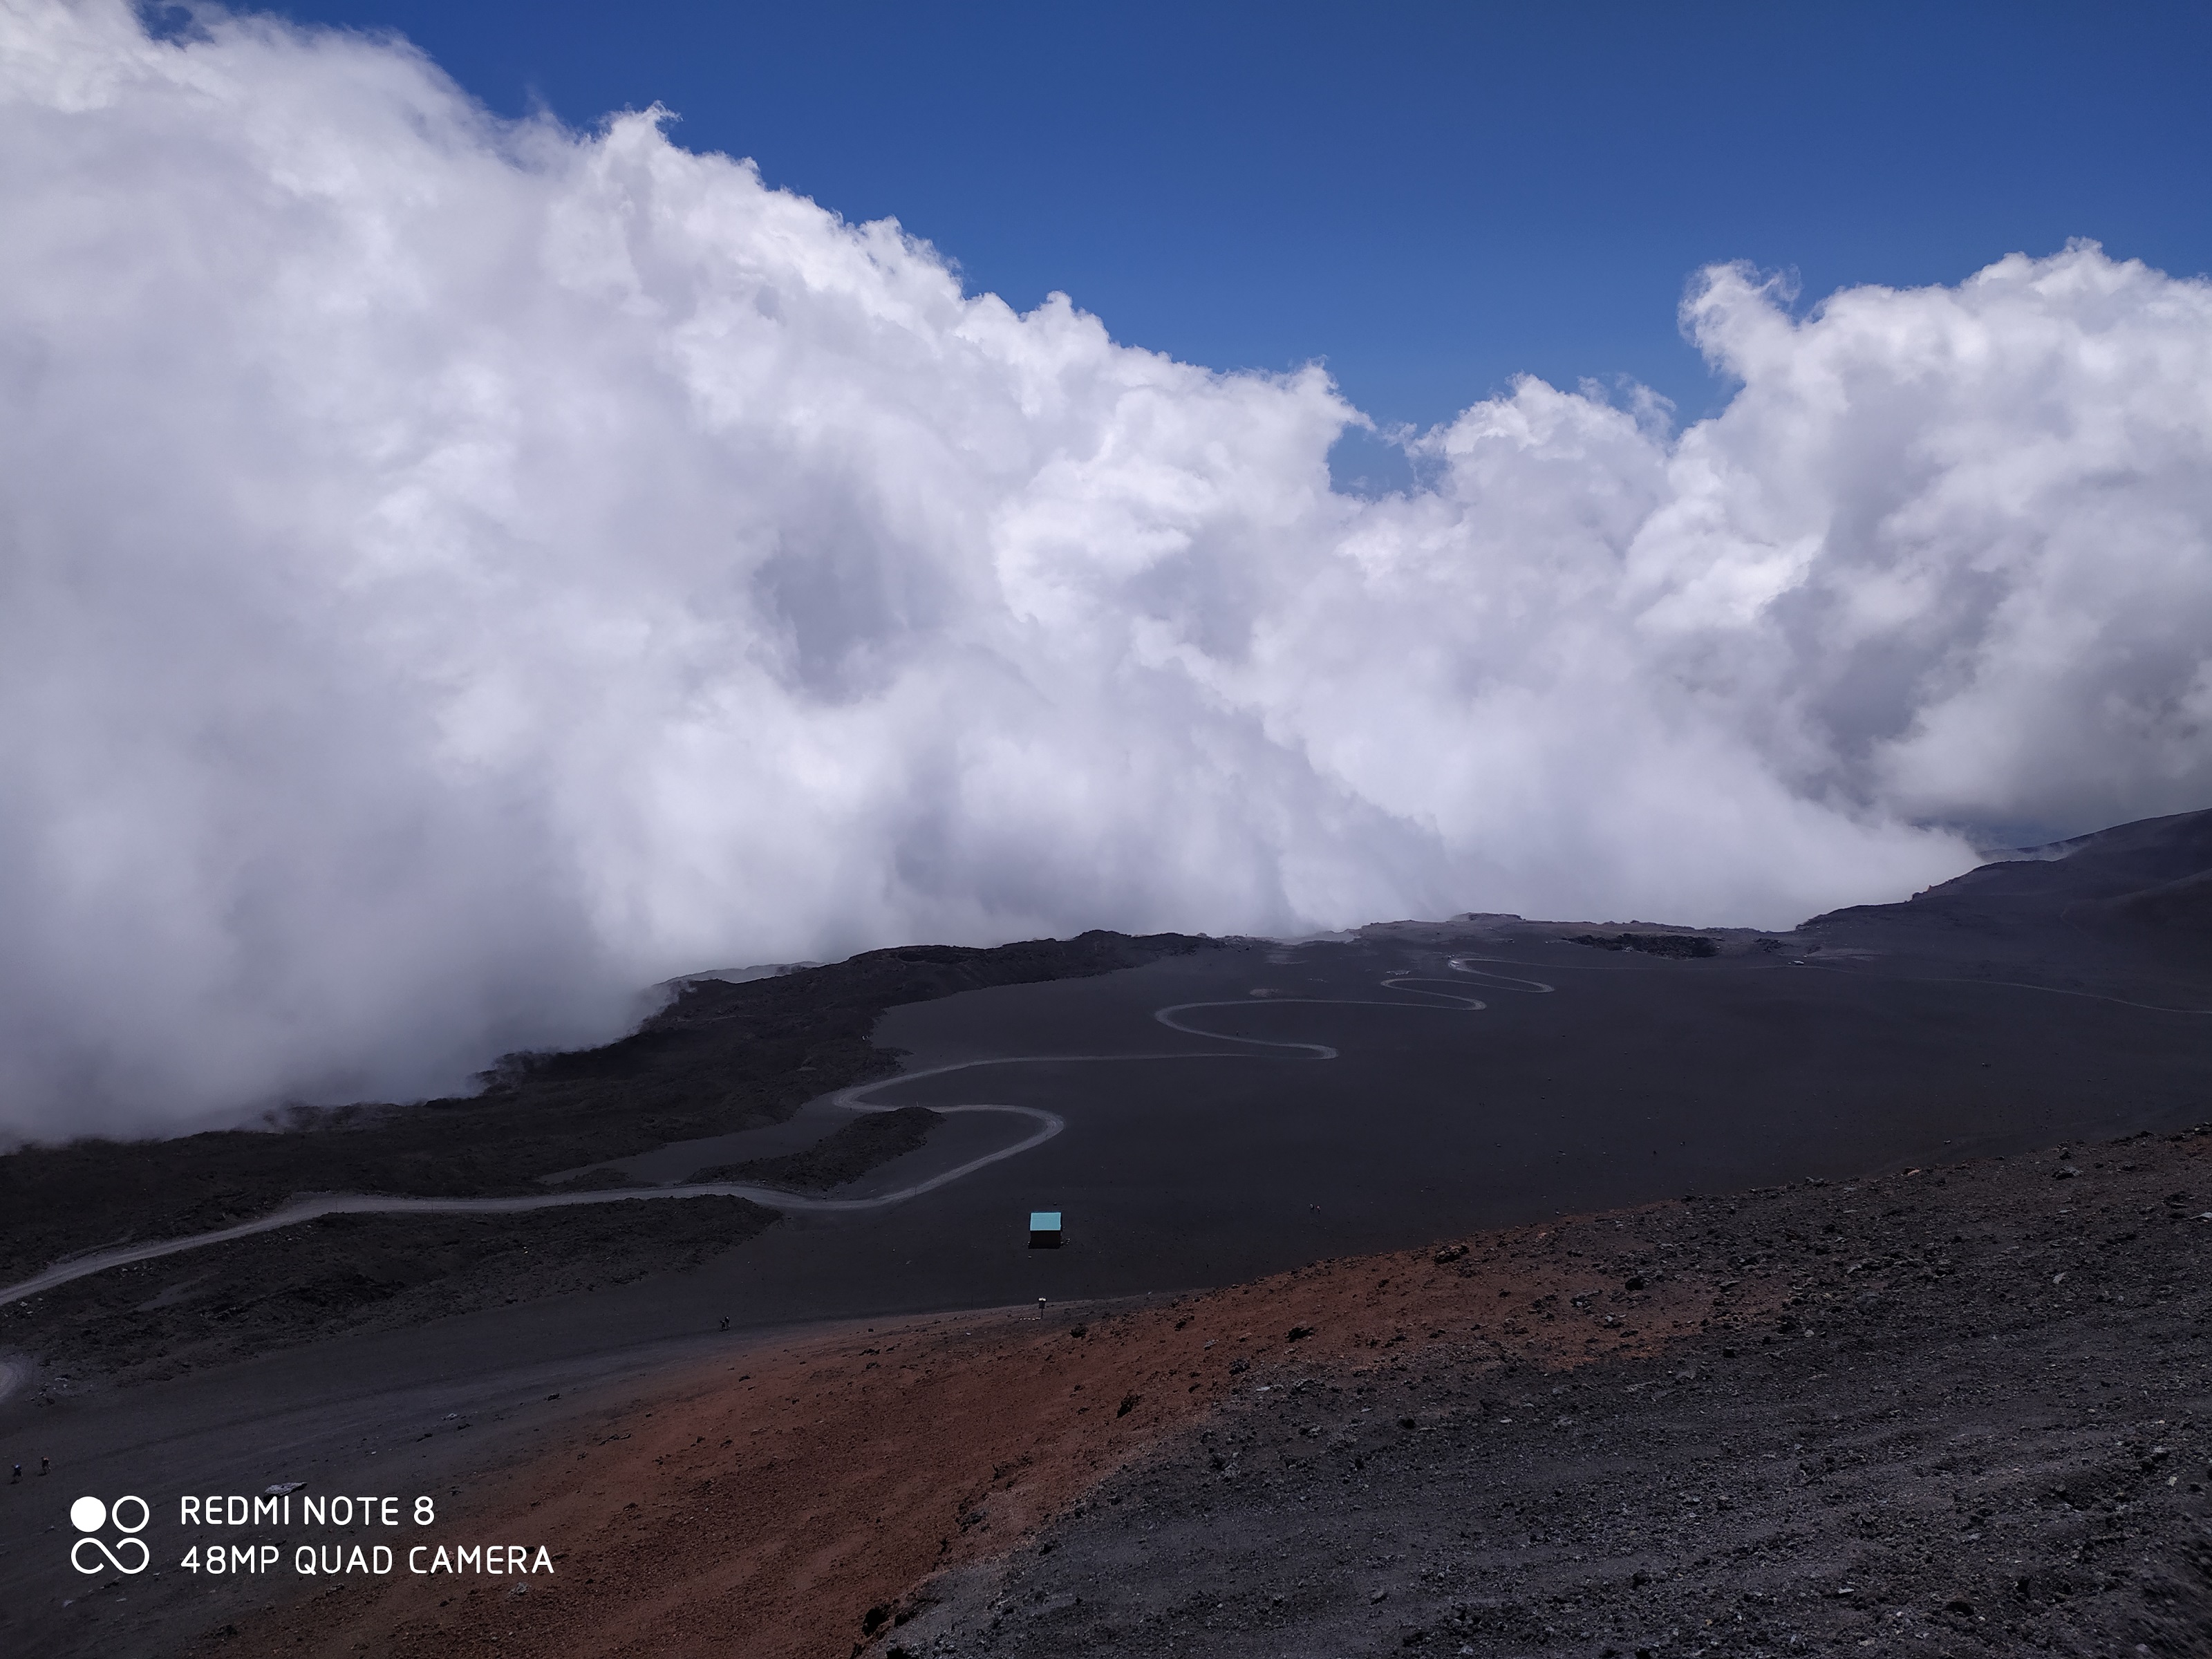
[(16, 1476), (44, 1464), (726, 1321)]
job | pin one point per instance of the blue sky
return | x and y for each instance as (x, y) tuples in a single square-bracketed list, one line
[(1432, 199)]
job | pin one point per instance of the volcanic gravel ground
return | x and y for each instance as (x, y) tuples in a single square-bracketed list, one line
[(783, 1502), (1979, 1423), (1956, 1412)]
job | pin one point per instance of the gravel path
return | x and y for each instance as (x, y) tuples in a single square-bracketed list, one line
[(314, 1206)]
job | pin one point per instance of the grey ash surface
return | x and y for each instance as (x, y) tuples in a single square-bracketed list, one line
[(358, 1273), (1979, 1423), (348, 1275)]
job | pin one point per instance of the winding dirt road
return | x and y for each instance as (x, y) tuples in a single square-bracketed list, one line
[(311, 1207)]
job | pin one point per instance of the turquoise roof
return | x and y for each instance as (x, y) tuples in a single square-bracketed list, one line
[(1044, 1221)]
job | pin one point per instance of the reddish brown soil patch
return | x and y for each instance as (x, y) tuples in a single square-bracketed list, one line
[(768, 1505)]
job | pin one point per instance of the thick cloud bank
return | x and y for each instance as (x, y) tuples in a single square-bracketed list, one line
[(456, 573)]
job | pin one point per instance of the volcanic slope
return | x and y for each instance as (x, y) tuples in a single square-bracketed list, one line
[(1229, 1110), (1978, 1423), (2128, 906), (1959, 1411)]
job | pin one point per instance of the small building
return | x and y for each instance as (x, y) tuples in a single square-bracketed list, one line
[(1044, 1230)]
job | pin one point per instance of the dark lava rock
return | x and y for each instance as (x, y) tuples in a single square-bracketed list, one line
[(1651, 944), (844, 1155)]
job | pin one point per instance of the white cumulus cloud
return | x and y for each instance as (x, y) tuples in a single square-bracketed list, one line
[(452, 572)]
